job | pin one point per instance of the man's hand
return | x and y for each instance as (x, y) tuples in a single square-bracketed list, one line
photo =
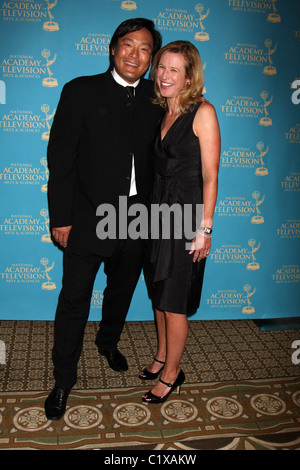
[(61, 235)]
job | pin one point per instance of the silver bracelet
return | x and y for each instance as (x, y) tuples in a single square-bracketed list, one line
[(206, 229), (203, 234)]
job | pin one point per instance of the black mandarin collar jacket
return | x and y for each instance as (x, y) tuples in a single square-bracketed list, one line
[(95, 130)]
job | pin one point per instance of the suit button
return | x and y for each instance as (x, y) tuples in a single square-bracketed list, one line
[(127, 177)]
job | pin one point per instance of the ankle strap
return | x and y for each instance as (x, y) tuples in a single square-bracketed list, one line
[(165, 383), (161, 362)]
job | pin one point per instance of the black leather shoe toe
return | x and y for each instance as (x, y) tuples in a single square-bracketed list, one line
[(55, 404), (115, 359)]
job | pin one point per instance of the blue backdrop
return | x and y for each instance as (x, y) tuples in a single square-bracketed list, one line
[(250, 51)]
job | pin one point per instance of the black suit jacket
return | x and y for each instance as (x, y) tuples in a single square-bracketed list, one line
[(95, 130)]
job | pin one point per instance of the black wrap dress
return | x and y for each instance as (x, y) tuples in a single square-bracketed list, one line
[(175, 280)]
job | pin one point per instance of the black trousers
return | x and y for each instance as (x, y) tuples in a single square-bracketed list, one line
[(122, 269)]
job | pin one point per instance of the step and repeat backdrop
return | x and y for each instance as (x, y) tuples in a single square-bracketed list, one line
[(251, 58)]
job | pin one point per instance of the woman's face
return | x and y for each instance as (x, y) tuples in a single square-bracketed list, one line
[(171, 76)]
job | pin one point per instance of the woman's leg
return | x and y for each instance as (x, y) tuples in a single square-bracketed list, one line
[(161, 342), (176, 335)]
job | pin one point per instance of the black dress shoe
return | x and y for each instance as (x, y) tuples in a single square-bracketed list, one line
[(115, 359), (55, 404)]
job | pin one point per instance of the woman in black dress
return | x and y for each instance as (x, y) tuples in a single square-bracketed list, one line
[(186, 153)]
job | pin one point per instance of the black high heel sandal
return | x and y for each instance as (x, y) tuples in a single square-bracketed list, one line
[(146, 375), (149, 397)]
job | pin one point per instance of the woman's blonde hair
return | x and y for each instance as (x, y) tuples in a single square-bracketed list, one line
[(192, 93)]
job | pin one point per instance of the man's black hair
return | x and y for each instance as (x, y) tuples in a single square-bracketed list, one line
[(129, 26)]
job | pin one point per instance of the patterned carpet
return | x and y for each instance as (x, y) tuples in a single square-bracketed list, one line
[(242, 391)]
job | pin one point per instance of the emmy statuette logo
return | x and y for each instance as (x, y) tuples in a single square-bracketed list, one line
[(46, 238), (270, 69), (253, 265), (49, 284), (49, 81), (44, 187), (262, 170), (201, 35), (266, 120), (45, 108), (50, 25), (258, 218), (274, 17), (249, 307), (128, 5)]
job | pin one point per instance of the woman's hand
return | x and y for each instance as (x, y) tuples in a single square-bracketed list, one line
[(200, 247)]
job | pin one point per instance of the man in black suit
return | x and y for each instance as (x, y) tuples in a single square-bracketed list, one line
[(97, 152)]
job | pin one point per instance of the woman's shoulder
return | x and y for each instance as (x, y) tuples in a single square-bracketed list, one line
[(205, 118), (205, 109)]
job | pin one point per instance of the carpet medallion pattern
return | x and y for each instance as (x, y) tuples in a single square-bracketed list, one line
[(242, 391), (117, 419)]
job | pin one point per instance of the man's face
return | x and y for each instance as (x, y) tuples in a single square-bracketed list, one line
[(133, 55)]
